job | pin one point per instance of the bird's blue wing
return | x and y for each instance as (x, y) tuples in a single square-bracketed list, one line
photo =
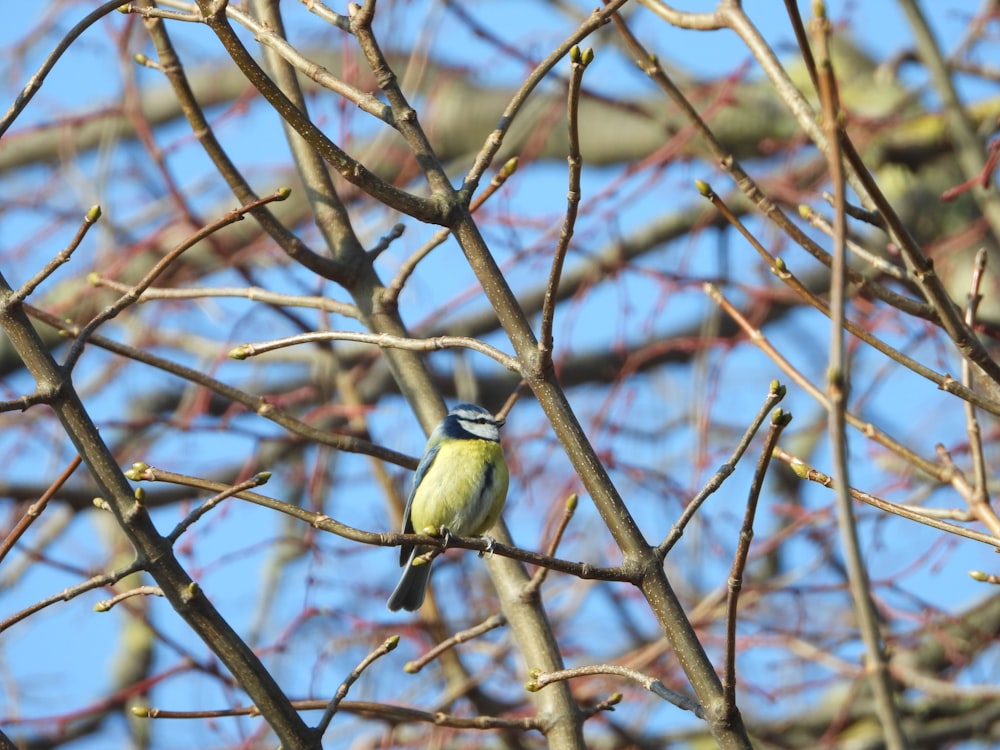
[(418, 477)]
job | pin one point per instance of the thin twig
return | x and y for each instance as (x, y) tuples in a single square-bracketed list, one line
[(389, 644), (653, 685), (23, 403), (802, 38), (96, 582), (580, 61), (35, 82), (927, 517), (142, 472), (490, 623), (243, 351), (774, 395), (106, 604), (979, 500), (877, 262), (36, 508), (386, 240), (861, 214), (191, 15), (255, 481), (368, 709), (535, 584), (779, 420), (701, 21), (62, 257), (339, 20), (252, 293), (838, 386)]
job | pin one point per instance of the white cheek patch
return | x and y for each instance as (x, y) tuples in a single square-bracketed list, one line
[(482, 430)]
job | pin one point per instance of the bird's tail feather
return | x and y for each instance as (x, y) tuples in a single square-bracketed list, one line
[(409, 592)]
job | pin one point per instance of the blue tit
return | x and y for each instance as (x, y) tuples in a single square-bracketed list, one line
[(460, 485)]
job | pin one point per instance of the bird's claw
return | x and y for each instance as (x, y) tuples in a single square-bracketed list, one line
[(445, 533), (491, 544)]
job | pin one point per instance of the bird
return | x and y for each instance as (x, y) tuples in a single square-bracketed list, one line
[(459, 488)]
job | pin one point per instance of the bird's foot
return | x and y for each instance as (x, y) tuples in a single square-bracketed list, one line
[(491, 543), (445, 533)]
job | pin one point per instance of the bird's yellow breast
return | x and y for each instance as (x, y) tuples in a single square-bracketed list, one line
[(464, 489)]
